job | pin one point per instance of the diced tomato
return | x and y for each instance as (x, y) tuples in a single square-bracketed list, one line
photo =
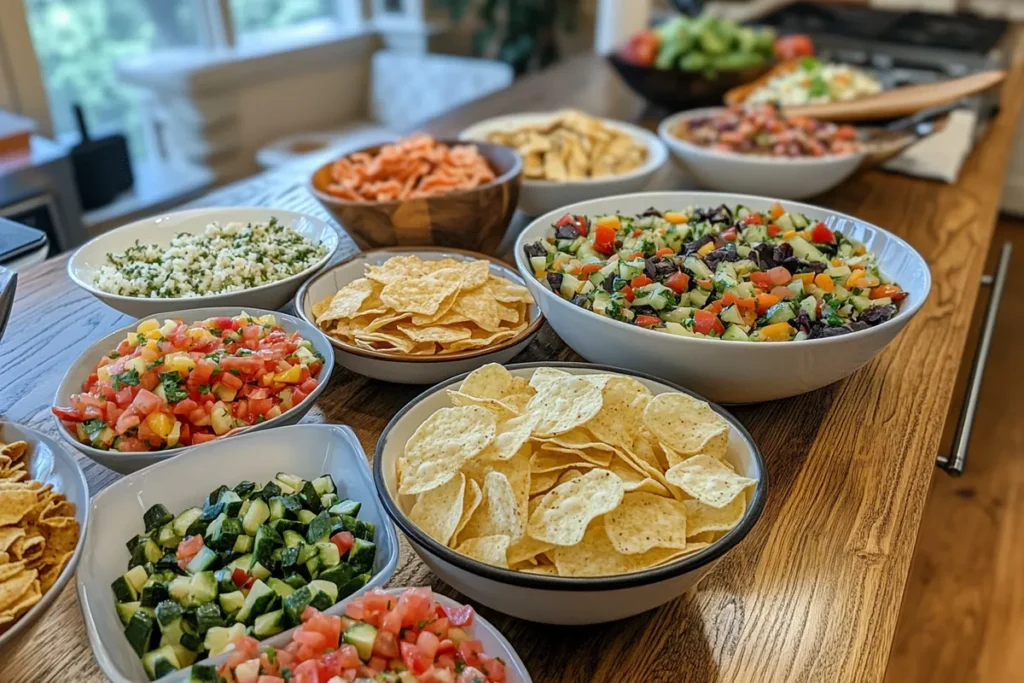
[(126, 422), (149, 380), (821, 233), (184, 407), (391, 623), (230, 380), (753, 219), (461, 615), (129, 444), (428, 643), (766, 301), (493, 667), (307, 672), (124, 397), (627, 293), (189, 546), (705, 323), (67, 414), (779, 275), (261, 406), (415, 605), (343, 540), (774, 230), (470, 651), (113, 412), (414, 660), (386, 643), (678, 282), (376, 665), (648, 320), (640, 281), (884, 291), (437, 674), (782, 292), (239, 577), (202, 437), (345, 657), (604, 239), (297, 396), (590, 268), (565, 220), (439, 627), (309, 385), (146, 402), (705, 284), (665, 251), (761, 280), (729, 235), (794, 47), (93, 413)]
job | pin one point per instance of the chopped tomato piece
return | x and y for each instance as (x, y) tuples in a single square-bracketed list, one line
[(706, 323), (665, 251), (627, 293), (782, 292), (640, 281), (779, 275), (774, 230), (460, 616), (777, 211), (648, 320), (766, 301), (884, 291), (821, 233), (591, 268), (343, 540), (729, 235), (753, 219), (604, 239), (470, 651), (239, 577), (678, 282), (414, 660), (762, 280)]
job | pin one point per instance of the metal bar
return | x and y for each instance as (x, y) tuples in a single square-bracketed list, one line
[(955, 462)]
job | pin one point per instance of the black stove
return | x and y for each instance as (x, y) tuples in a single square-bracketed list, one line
[(960, 32)]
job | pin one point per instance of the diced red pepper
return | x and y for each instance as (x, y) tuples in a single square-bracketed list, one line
[(678, 282), (821, 233), (665, 251), (729, 235), (753, 219), (774, 230), (706, 322), (627, 292), (604, 239), (648, 320), (640, 281)]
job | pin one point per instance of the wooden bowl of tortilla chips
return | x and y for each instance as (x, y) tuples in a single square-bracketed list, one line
[(44, 506)]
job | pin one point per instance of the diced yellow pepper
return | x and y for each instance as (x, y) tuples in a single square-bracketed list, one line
[(179, 362), (267, 319), (154, 334), (161, 423), (168, 327), (136, 364), (610, 221), (133, 339), (289, 376), (706, 249), (675, 217), (775, 332), (103, 374), (789, 234), (147, 326), (175, 434)]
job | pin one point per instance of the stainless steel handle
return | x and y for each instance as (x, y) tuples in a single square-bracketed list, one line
[(8, 282), (954, 463)]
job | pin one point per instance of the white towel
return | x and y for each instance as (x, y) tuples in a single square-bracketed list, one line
[(941, 155)]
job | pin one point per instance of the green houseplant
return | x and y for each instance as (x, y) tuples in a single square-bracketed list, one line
[(522, 33)]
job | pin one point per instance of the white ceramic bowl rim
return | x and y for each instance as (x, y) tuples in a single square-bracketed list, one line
[(207, 300), (657, 154), (26, 620), (159, 456), (509, 272), (723, 198), (664, 132), (564, 583), (509, 175)]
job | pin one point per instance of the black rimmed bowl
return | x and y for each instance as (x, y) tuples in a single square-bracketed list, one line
[(551, 599), (404, 368)]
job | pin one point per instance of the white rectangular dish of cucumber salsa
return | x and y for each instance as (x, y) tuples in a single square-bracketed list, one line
[(187, 573)]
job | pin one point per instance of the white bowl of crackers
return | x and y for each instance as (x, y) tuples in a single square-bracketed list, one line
[(569, 493), (44, 508), (569, 156), (419, 315)]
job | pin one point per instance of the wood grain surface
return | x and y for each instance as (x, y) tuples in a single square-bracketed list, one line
[(962, 617), (813, 594)]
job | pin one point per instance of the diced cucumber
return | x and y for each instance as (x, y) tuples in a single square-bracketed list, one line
[(204, 673), (160, 662), (324, 484), (799, 221), (305, 516), (243, 545), (232, 503), (785, 221), (231, 602), (245, 488), (242, 563), (166, 537), (805, 250), (267, 540), (277, 509), (202, 589), (838, 271), (328, 553), (223, 532), (539, 263), (780, 313), (202, 561), (208, 616), (124, 590), (570, 286), (295, 604), (268, 624), (139, 631), (261, 599), (153, 592), (292, 481), (219, 638), (796, 286), (361, 555), (810, 307), (327, 588), (735, 333), (361, 636), (156, 516), (310, 498), (259, 571), (258, 513), (225, 584), (731, 314), (125, 610), (698, 298), (327, 500), (860, 303), (183, 521), (169, 617), (146, 551), (179, 588), (292, 539), (697, 267), (319, 527), (282, 589), (295, 580)]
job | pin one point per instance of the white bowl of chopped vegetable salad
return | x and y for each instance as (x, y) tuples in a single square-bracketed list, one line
[(739, 298), (231, 256), (730, 163)]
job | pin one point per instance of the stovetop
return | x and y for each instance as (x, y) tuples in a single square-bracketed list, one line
[(961, 32)]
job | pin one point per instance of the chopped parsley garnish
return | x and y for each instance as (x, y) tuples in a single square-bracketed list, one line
[(113, 354), (141, 338), (169, 382), (128, 378), (235, 371), (93, 428), (204, 388), (216, 332), (155, 364)]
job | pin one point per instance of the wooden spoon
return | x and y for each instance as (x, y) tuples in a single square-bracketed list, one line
[(901, 101)]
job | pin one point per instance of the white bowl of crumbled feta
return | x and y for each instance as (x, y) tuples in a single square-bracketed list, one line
[(231, 256)]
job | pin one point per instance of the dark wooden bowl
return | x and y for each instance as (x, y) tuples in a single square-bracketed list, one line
[(468, 219), (678, 90)]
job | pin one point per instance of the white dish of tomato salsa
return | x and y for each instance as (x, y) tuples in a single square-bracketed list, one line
[(118, 406)]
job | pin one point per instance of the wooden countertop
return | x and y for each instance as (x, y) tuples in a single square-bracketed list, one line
[(813, 593)]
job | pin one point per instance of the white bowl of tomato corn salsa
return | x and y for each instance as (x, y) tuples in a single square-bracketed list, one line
[(178, 380), (803, 166), (694, 287)]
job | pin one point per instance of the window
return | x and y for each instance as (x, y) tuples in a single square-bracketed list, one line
[(252, 16), (77, 43)]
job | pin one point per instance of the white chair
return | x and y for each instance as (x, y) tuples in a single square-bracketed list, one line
[(406, 89)]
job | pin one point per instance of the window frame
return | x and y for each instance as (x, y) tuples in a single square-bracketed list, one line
[(23, 91)]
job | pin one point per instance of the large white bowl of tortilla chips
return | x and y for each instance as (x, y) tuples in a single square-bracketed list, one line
[(419, 315), (569, 493), (44, 508)]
